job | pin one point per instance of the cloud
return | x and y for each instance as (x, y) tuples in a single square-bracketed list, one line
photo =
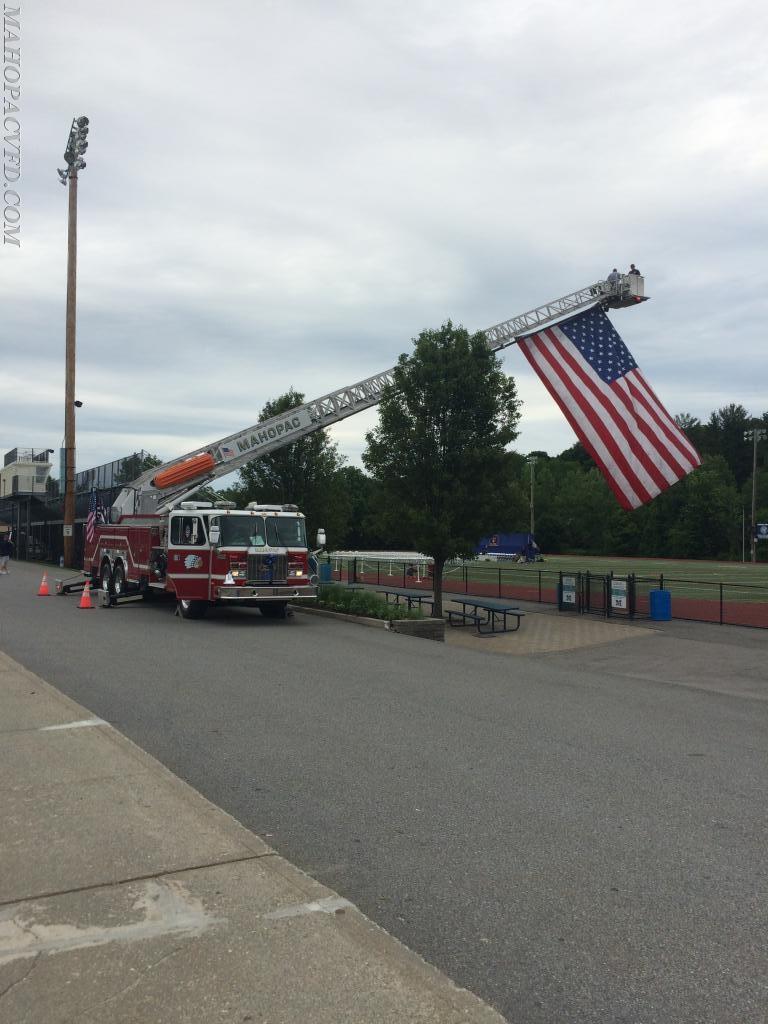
[(283, 194)]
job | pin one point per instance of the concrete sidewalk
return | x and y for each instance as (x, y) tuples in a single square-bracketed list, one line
[(126, 896)]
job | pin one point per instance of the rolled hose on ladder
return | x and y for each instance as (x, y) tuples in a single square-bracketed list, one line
[(199, 465)]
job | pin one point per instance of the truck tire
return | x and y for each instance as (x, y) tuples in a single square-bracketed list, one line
[(105, 579), (274, 609), (118, 580), (192, 609)]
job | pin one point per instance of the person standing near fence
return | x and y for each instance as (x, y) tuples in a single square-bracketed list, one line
[(6, 550)]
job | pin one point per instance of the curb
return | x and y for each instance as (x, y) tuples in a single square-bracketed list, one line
[(423, 629), (325, 613)]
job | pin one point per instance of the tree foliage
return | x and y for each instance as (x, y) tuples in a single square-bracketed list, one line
[(304, 473), (439, 453), (134, 465), (699, 517), (424, 490)]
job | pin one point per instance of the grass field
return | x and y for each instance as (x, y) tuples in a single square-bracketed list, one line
[(705, 572), (700, 571), (726, 592)]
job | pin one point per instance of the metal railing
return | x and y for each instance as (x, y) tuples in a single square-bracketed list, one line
[(27, 455), (723, 602)]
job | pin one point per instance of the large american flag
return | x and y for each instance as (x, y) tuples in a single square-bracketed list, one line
[(591, 374)]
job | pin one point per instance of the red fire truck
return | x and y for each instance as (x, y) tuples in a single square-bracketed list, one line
[(204, 553)]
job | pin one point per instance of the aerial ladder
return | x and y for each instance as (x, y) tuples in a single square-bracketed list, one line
[(161, 489)]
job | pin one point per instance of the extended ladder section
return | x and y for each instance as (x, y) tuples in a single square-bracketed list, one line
[(177, 480)]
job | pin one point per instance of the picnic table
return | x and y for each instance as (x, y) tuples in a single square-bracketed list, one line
[(411, 597), (486, 615)]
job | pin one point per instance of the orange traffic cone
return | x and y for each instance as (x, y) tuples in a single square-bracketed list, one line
[(85, 600), (44, 591)]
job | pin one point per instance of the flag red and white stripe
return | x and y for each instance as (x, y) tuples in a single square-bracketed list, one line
[(637, 445), (90, 523)]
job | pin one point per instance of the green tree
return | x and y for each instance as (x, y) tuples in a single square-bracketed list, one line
[(134, 465), (578, 453), (439, 450), (704, 526), (360, 491), (727, 427), (699, 434), (304, 473)]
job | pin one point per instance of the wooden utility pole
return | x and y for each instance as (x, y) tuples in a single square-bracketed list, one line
[(69, 383), (77, 143)]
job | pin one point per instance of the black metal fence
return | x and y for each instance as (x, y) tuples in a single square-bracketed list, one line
[(36, 521), (611, 595), (37, 525)]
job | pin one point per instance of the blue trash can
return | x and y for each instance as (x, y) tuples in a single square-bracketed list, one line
[(326, 572), (660, 605)]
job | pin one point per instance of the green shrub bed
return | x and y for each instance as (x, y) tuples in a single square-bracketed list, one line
[(362, 602)]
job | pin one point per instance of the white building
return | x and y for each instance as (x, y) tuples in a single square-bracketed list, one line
[(25, 471)]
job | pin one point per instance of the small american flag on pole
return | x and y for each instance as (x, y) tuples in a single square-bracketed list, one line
[(591, 374), (90, 523)]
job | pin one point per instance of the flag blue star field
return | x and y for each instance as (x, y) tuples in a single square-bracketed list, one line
[(591, 374)]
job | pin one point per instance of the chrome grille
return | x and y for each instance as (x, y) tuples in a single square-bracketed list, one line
[(267, 568)]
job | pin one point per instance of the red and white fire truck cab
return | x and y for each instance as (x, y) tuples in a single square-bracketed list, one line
[(207, 554)]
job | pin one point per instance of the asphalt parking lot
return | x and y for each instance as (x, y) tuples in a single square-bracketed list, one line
[(573, 834)]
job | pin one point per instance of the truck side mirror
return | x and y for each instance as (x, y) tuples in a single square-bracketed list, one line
[(321, 538), (214, 534)]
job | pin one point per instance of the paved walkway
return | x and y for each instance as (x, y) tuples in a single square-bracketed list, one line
[(546, 632), (125, 896)]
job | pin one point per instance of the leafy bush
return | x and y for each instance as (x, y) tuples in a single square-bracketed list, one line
[(362, 602)]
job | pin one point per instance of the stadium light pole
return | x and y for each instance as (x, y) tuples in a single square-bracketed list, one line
[(754, 435), (77, 143), (743, 535), (532, 459)]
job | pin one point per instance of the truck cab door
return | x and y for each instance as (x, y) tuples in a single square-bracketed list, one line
[(189, 556)]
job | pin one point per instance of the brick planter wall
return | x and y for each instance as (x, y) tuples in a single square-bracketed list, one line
[(429, 629)]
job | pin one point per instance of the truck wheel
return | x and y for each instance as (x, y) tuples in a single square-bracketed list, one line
[(274, 610), (192, 609), (118, 580), (106, 578)]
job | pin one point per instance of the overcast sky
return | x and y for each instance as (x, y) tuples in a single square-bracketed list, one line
[(283, 194)]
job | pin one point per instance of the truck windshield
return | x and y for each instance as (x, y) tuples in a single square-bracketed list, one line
[(242, 532), (286, 532), (256, 532)]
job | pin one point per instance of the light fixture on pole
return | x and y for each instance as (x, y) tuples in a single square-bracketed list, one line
[(754, 435), (77, 144), (532, 459)]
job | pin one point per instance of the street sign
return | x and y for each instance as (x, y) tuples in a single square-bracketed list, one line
[(67, 531)]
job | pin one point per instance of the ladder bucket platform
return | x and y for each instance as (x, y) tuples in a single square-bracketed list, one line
[(628, 292)]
